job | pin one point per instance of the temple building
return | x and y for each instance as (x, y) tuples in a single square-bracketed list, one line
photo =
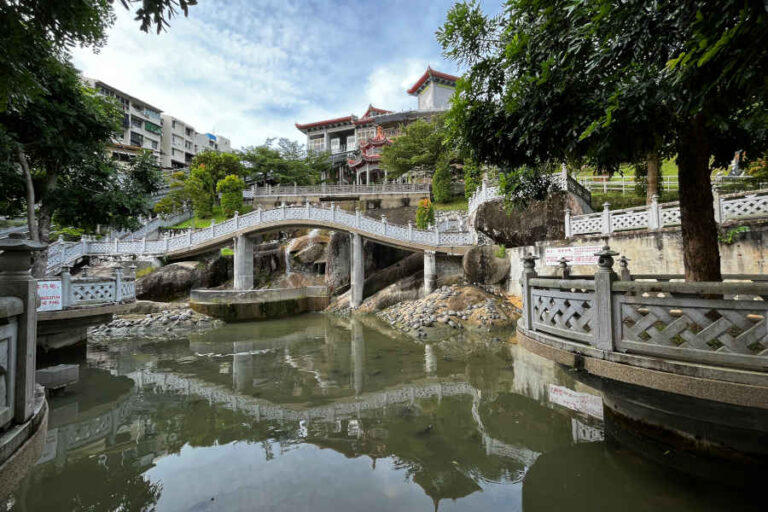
[(355, 143)]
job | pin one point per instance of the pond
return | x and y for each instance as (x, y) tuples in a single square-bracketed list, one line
[(325, 414)]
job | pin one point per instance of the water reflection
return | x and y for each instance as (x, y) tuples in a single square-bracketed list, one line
[(319, 414)]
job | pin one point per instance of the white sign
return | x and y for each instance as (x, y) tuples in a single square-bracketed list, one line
[(591, 405), (49, 293), (576, 255)]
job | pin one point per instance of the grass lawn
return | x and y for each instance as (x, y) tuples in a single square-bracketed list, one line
[(457, 203), (218, 216)]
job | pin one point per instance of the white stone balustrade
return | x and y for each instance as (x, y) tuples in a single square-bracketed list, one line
[(336, 190), (657, 215), (89, 291), (65, 253)]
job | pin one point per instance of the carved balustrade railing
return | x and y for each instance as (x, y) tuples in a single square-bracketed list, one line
[(335, 217), (336, 190), (565, 181), (720, 323), (744, 205), (89, 291)]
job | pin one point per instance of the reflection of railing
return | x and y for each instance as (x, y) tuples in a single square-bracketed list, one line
[(655, 215), (721, 323), (336, 190)]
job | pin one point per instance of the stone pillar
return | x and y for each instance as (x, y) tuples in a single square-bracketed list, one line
[(567, 223), (17, 281), (430, 272), (603, 315), (243, 263), (606, 218), (357, 274), (66, 287), (367, 175), (118, 273), (529, 272)]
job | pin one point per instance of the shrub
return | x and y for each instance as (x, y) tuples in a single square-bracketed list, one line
[(473, 178), (441, 182), (425, 214), (525, 184), (69, 234), (501, 252), (231, 190)]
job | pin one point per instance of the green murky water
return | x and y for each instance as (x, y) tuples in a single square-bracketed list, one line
[(320, 414)]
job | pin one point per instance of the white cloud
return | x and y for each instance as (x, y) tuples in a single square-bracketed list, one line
[(250, 69)]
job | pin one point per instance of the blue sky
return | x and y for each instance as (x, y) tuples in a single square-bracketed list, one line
[(249, 69)]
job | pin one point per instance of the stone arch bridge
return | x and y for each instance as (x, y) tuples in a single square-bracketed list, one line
[(242, 227)]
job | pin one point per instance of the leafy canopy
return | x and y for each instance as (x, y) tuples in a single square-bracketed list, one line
[(418, 149)]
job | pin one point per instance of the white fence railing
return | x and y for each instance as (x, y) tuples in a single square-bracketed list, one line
[(89, 291), (627, 184), (336, 190), (64, 253), (657, 215)]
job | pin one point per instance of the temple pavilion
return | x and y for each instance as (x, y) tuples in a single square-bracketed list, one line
[(355, 143)]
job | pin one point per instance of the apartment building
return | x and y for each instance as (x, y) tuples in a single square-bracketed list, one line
[(145, 127), (142, 123), (179, 143), (355, 143)]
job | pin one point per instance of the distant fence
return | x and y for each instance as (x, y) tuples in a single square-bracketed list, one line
[(336, 190), (657, 215), (628, 184)]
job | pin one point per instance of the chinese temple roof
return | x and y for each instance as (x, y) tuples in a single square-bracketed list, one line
[(327, 122), (431, 75)]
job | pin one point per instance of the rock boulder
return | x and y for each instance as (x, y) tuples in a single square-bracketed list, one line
[(481, 265)]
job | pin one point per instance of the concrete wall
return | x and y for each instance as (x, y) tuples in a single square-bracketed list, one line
[(651, 252)]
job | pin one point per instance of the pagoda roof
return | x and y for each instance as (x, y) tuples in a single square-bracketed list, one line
[(367, 117), (327, 122), (431, 74), (363, 159)]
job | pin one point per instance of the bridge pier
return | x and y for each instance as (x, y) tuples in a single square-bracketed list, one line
[(357, 274), (243, 263), (430, 272)]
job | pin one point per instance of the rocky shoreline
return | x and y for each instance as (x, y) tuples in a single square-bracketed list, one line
[(155, 320)]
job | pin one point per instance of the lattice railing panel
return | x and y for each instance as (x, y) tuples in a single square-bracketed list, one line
[(749, 206), (707, 330), (101, 291), (670, 216), (629, 220), (587, 224), (565, 313), (128, 290)]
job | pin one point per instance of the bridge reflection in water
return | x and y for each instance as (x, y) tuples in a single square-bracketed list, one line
[(293, 415)]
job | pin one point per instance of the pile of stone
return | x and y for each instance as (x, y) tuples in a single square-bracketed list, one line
[(454, 308), (166, 323)]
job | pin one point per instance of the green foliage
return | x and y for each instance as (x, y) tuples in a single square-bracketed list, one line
[(441, 182), (457, 203), (69, 234), (418, 149), (501, 251), (227, 251), (732, 235), (285, 162), (425, 214), (473, 177), (177, 198), (619, 201), (207, 169), (144, 272), (231, 190), (525, 184)]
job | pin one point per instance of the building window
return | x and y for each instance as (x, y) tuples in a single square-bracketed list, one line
[(190, 132), (173, 124), (136, 122), (153, 128), (177, 140), (137, 139), (317, 143), (153, 143)]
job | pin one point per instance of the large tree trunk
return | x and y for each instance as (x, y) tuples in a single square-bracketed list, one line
[(30, 189), (40, 262), (701, 253), (652, 179)]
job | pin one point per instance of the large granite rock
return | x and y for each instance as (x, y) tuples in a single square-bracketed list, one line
[(177, 279), (337, 261), (481, 265), (541, 220)]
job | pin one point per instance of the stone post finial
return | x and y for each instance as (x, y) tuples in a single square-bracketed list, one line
[(563, 268), (624, 269), (529, 261), (605, 259), (85, 269)]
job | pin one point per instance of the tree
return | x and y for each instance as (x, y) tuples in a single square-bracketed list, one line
[(418, 149), (441, 182), (207, 169), (231, 190), (473, 178), (34, 30), (285, 162), (603, 83), (177, 199)]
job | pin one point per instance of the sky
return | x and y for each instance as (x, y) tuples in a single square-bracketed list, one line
[(250, 69)]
